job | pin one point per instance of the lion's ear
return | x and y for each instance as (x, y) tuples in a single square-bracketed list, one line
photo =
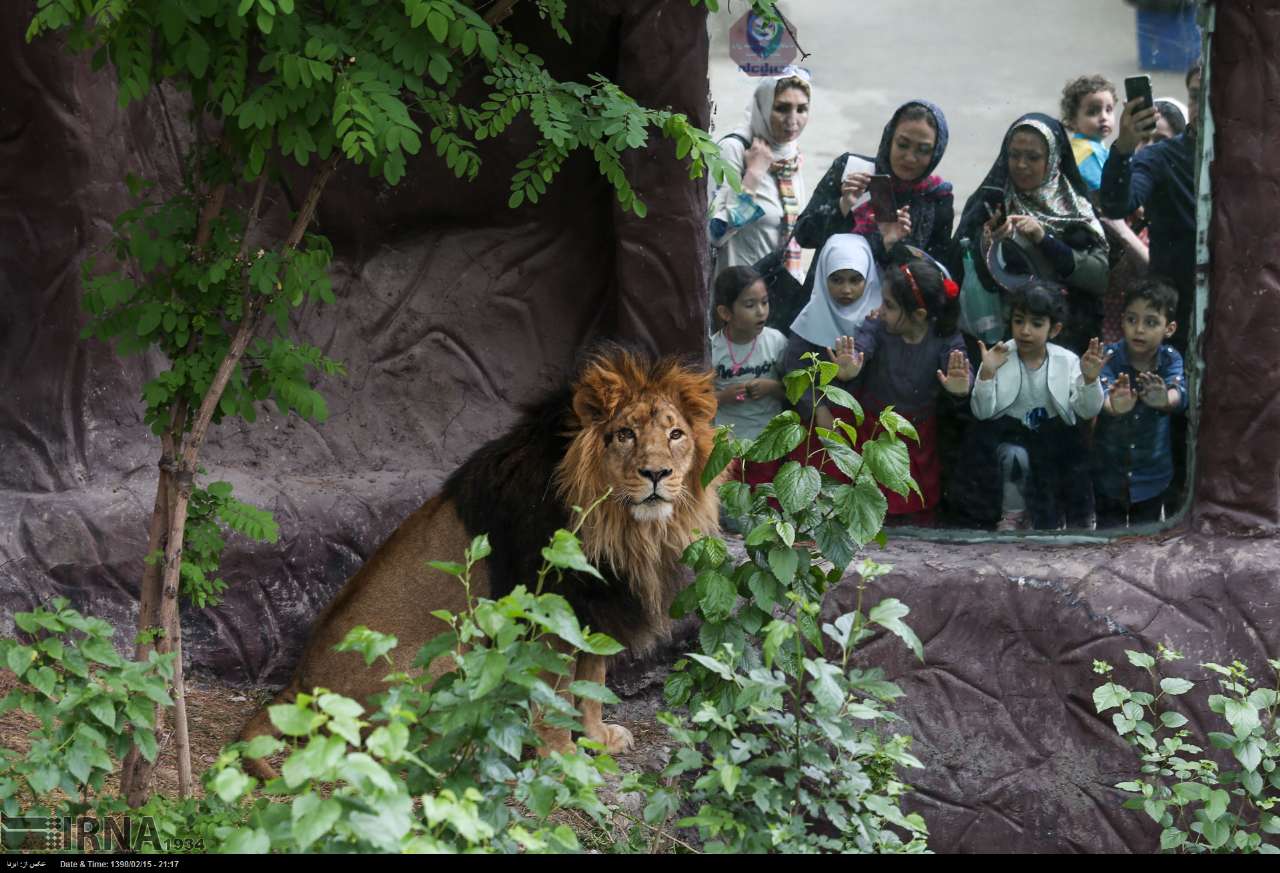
[(697, 392), (598, 394)]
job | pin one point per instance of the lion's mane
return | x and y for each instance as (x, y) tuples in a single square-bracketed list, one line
[(521, 487)]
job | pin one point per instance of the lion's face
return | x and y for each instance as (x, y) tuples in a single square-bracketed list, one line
[(649, 452), (646, 432)]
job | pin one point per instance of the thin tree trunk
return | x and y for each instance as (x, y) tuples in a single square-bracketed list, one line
[(135, 772), (184, 478)]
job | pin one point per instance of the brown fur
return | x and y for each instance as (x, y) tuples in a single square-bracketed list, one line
[(626, 536)]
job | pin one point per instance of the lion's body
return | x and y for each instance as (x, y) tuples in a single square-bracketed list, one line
[(643, 429)]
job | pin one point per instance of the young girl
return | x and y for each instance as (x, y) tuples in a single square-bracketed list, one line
[(1035, 393), (846, 291), (747, 357), (906, 359)]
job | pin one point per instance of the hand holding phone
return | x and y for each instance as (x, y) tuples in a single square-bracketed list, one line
[(1138, 86), (1139, 119), (882, 201)]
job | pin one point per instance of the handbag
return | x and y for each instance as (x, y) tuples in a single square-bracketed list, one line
[(981, 312)]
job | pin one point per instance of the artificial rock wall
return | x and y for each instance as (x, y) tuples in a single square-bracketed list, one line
[(453, 309)]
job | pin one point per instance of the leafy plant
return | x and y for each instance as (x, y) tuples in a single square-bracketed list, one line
[(785, 749), (92, 705), (449, 764), (212, 511), (1200, 806)]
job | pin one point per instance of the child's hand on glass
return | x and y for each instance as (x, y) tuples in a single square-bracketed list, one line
[(1121, 396), (992, 358), (896, 231), (1154, 392), (1092, 360), (852, 187), (846, 357), (956, 379)]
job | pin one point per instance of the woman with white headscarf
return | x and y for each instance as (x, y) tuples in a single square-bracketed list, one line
[(747, 225)]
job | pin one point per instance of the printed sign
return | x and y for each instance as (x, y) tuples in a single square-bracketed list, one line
[(761, 47)]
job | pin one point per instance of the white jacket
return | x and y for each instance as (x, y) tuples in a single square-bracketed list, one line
[(1070, 396)]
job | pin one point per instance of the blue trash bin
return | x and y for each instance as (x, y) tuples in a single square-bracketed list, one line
[(1168, 40)]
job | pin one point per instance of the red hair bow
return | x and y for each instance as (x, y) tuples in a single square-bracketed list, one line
[(952, 289)]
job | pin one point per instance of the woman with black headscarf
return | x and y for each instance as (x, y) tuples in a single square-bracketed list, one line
[(1032, 218), (911, 147)]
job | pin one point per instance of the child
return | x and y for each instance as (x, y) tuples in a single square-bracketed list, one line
[(1133, 468), (1035, 399), (747, 359), (1089, 112), (906, 358), (846, 291)]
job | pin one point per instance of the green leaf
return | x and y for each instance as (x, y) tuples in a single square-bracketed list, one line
[(294, 720), (839, 397), (262, 746), (783, 562), (721, 669), (721, 456), (313, 816), (862, 507), (104, 709), (1108, 696), (835, 543), (779, 437), (730, 776), (776, 633), (888, 613), (1140, 659), (889, 463), (246, 841), (797, 383), (593, 691), (1241, 715), (1172, 719), (1175, 685), (846, 459), (895, 424), (796, 487), (1171, 838), (565, 552), (719, 595), (761, 534), (1216, 805), (827, 690), (231, 784), (19, 658), (492, 669)]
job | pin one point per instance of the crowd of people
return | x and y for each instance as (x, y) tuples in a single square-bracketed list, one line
[(1035, 344)]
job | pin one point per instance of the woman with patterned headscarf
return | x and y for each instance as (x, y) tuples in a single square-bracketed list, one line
[(1032, 218), (911, 147), (747, 225)]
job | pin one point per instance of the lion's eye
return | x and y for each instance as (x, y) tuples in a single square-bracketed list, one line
[(626, 433), (677, 434)]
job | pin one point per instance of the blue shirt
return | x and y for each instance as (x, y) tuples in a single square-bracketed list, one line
[(1133, 458)]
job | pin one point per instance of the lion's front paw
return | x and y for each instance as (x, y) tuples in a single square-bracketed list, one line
[(614, 737)]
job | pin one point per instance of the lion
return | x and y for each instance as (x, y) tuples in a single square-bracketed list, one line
[(640, 426)]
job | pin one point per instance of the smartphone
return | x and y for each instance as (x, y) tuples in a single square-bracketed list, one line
[(1138, 86), (882, 202), (993, 202)]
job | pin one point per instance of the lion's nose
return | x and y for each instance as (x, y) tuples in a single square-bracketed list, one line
[(655, 476)]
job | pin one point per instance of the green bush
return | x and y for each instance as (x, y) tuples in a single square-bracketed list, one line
[(784, 748), (1199, 805)]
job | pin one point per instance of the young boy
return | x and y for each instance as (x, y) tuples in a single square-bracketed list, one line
[(1035, 398), (1089, 111), (1143, 378)]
